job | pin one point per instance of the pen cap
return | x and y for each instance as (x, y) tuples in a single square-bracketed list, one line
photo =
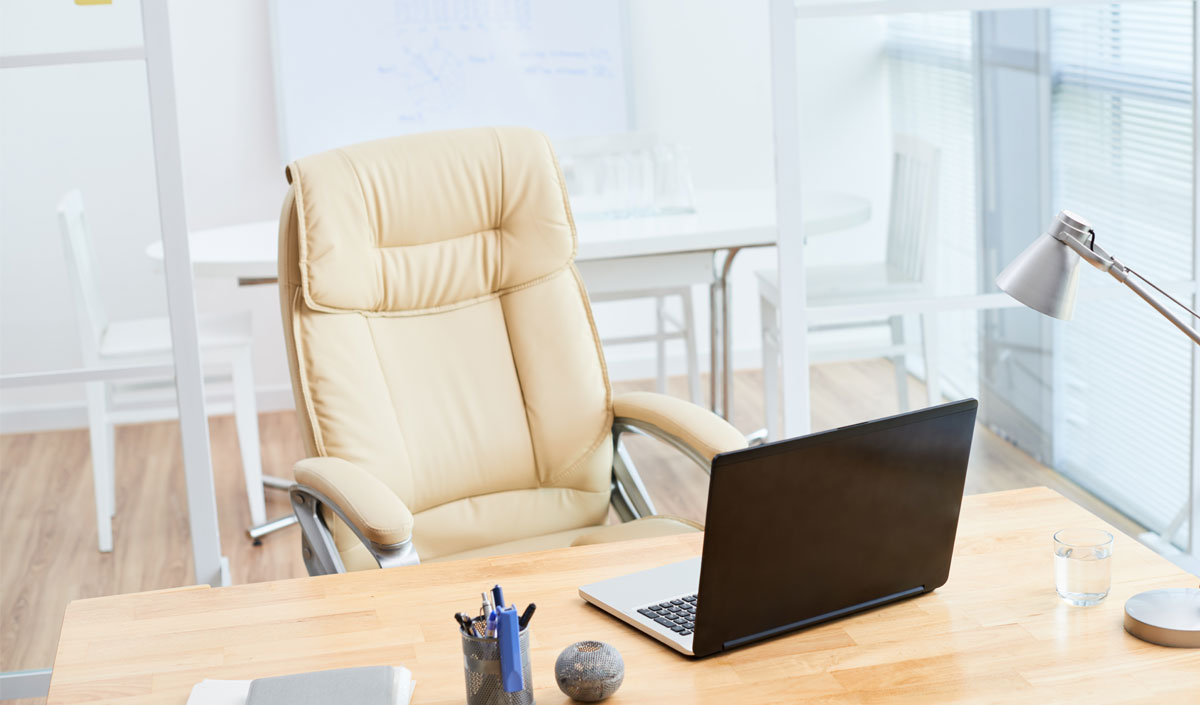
[(508, 633)]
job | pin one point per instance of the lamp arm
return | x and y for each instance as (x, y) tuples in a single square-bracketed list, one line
[(1142, 291), (1100, 259)]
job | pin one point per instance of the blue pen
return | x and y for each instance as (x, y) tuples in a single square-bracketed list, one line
[(492, 619), (498, 597), (508, 633)]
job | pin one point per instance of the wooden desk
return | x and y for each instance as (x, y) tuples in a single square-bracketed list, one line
[(995, 633)]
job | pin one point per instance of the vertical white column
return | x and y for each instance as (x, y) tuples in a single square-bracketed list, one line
[(211, 566), (793, 290), (1193, 542)]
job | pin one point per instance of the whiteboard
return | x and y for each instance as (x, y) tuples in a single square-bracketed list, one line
[(352, 71)]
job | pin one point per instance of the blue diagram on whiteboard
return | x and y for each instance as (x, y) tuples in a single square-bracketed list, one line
[(392, 67), (431, 82)]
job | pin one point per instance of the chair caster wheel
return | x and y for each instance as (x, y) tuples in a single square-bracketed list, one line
[(257, 542)]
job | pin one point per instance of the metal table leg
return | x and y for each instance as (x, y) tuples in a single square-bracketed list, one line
[(716, 302), (721, 336)]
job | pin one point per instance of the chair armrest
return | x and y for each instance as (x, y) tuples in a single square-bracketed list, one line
[(694, 430), (368, 504), (380, 519)]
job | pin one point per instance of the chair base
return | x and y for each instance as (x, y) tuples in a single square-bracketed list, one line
[(270, 527), (258, 531)]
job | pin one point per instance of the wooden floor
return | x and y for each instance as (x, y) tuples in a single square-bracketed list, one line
[(49, 554)]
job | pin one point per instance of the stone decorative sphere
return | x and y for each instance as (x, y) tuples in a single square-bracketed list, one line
[(589, 671)]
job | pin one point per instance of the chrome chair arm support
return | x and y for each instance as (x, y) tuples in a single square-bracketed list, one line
[(630, 499), (644, 428), (321, 556)]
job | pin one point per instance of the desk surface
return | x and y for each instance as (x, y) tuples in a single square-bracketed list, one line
[(723, 219), (995, 633)]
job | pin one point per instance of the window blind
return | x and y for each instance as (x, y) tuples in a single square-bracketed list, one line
[(932, 87), (1122, 151)]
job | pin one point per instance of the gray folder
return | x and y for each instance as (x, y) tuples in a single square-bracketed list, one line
[(368, 685)]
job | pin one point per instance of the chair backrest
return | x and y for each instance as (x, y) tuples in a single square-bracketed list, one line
[(912, 221), (78, 249), (439, 336)]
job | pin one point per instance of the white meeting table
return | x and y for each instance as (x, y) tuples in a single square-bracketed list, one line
[(724, 223)]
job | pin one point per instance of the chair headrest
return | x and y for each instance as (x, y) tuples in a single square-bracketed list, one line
[(413, 224)]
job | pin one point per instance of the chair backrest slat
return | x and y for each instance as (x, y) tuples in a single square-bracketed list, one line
[(80, 261), (912, 222)]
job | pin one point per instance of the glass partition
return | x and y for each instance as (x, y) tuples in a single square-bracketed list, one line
[(1122, 152), (932, 90), (1084, 107), (95, 499)]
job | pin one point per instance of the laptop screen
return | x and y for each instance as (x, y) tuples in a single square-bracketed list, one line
[(817, 526)]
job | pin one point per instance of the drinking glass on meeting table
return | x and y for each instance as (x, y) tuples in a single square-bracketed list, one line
[(626, 176)]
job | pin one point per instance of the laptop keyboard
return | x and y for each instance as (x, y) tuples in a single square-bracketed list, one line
[(678, 615)]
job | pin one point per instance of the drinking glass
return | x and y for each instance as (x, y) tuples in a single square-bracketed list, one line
[(1082, 565), (673, 190)]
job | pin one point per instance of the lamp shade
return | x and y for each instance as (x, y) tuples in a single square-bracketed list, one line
[(1044, 276)]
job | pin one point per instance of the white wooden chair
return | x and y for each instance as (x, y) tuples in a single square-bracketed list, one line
[(620, 176), (608, 280), (906, 269), (225, 344)]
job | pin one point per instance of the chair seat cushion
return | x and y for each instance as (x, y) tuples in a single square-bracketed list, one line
[(650, 527), (359, 559)]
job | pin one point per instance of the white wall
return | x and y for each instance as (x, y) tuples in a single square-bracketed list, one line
[(61, 128), (88, 127), (700, 77)]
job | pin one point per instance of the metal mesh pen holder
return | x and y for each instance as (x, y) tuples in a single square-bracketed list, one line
[(481, 665)]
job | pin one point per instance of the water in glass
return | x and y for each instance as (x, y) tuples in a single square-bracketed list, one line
[(1083, 573)]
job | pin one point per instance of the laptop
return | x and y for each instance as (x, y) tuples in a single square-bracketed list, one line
[(808, 530)]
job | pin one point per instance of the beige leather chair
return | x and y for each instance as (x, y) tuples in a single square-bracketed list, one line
[(448, 376)]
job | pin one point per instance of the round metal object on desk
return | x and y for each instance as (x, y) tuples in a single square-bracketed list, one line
[(589, 671), (1168, 617)]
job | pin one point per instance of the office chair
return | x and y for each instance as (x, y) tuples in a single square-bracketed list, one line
[(225, 340), (450, 384)]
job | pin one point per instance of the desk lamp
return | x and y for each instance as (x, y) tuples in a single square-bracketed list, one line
[(1044, 278)]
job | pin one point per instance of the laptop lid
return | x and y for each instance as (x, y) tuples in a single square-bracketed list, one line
[(817, 527)]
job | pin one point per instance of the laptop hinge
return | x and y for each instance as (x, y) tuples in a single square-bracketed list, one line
[(734, 643)]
